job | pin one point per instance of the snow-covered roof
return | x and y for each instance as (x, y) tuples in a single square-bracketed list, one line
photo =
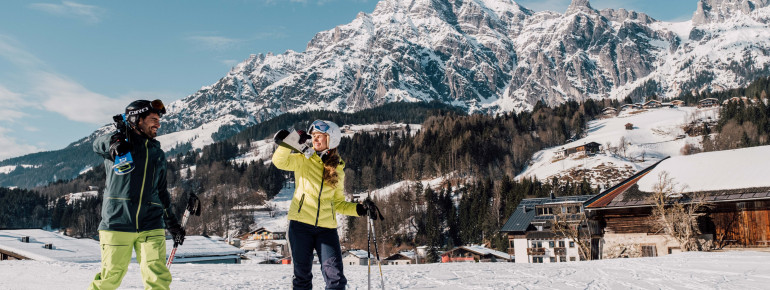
[(738, 174), (67, 249), (718, 170), (481, 250), (361, 254), (401, 255), (200, 246)]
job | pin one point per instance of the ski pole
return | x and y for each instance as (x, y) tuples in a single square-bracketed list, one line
[(377, 253), (194, 208), (368, 255)]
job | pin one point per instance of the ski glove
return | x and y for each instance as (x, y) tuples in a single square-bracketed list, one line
[(119, 145), (303, 137), (280, 135), (177, 232), (369, 208)]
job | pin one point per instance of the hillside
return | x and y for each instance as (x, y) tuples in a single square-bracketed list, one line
[(656, 134)]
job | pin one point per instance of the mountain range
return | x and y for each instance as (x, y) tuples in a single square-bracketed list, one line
[(485, 56)]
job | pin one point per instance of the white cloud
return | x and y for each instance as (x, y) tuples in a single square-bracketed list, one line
[(11, 147), (12, 102), (88, 13), (217, 43), (51, 91), (74, 101)]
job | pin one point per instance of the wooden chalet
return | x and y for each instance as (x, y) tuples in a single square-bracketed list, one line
[(609, 112), (474, 253), (529, 229), (585, 149), (630, 107), (400, 258), (652, 104), (733, 184), (708, 102), (677, 103)]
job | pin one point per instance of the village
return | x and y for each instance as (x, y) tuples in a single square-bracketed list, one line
[(720, 201)]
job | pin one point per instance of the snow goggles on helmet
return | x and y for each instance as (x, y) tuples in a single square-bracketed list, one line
[(319, 126), (155, 106)]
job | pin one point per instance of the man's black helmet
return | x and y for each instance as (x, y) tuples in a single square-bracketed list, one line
[(141, 108)]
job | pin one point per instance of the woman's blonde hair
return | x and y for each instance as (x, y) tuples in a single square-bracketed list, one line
[(331, 161)]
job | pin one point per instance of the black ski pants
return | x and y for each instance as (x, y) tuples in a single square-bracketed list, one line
[(303, 239)]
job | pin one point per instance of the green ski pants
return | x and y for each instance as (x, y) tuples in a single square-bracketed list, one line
[(117, 247)]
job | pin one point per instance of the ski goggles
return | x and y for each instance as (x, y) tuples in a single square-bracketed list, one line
[(319, 126), (158, 106)]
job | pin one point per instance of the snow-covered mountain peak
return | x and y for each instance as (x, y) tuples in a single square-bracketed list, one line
[(710, 11), (580, 6)]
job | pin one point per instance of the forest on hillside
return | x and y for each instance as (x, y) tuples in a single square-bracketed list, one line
[(478, 154)]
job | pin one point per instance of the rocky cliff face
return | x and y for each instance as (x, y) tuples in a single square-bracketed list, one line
[(490, 56)]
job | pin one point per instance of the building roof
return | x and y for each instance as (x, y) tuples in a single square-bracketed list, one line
[(405, 255), (200, 246), (729, 175), (525, 212), (67, 249), (483, 251), (361, 254)]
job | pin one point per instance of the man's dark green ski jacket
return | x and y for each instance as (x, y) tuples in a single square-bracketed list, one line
[(138, 201)]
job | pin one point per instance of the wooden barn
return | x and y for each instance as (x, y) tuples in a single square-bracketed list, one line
[(732, 185), (474, 253), (400, 258)]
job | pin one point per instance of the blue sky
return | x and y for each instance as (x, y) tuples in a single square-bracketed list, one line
[(67, 66)]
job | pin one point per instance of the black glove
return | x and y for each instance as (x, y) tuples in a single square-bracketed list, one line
[(361, 210), (119, 145), (369, 208), (177, 232), (303, 137), (280, 135)]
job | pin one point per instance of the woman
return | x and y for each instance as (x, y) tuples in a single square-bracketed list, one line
[(318, 197)]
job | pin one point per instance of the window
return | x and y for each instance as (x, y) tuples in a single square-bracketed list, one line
[(551, 244), (572, 259), (553, 259), (561, 244), (537, 259), (537, 244), (649, 251), (562, 259), (510, 244), (571, 244)]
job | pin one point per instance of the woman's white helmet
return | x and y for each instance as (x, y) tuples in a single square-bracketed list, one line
[(329, 128)]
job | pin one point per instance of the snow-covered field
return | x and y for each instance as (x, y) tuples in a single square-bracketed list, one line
[(726, 270)]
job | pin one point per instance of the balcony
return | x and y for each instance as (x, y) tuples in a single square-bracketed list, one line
[(536, 251), (511, 251), (560, 251)]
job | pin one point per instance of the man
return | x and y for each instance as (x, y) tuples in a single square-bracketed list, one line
[(137, 204)]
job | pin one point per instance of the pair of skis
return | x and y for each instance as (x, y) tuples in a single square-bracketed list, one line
[(193, 208)]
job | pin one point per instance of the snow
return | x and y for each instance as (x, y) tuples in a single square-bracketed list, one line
[(72, 197), (10, 168), (694, 270), (7, 169), (655, 136), (740, 168), (65, 249)]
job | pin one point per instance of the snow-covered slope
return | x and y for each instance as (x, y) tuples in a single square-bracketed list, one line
[(656, 133), (694, 270)]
